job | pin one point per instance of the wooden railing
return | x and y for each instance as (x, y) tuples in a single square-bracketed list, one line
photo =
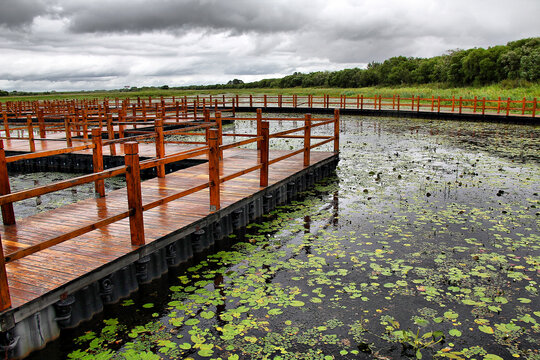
[(213, 148), (135, 111), (459, 105)]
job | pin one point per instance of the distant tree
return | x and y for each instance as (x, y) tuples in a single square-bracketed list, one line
[(4, 93), (455, 74), (235, 82), (314, 79), (530, 66)]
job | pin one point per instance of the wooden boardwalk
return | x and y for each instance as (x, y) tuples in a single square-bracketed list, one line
[(51, 269), (48, 261)]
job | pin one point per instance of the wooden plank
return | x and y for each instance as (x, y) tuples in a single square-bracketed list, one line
[(64, 237)]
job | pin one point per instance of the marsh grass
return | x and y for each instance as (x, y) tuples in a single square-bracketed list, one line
[(516, 91)]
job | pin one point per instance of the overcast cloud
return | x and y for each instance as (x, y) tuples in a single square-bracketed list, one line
[(108, 44)]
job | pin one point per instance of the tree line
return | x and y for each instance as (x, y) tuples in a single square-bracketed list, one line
[(516, 61)]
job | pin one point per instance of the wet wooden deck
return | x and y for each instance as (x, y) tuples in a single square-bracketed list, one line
[(47, 271)]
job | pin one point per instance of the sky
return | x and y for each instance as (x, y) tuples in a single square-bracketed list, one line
[(111, 44)]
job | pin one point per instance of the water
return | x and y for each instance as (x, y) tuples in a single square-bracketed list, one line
[(424, 244)]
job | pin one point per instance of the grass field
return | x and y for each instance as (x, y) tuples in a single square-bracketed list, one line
[(490, 92)]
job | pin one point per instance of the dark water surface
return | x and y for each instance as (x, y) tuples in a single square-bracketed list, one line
[(24, 208), (425, 244)]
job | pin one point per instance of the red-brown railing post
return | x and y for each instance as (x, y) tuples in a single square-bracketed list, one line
[(133, 185), (8, 215), (85, 124), (508, 104), (534, 108), (41, 122), (265, 101), (362, 102), (110, 133), (398, 99), (307, 139), (453, 102), (380, 102), (75, 121), (475, 103), (144, 110), (336, 130), (483, 106), (412, 102), (220, 132), (213, 169), (207, 120), (264, 154), (31, 133), (418, 104), (6, 124), (460, 104), (524, 106), (438, 104), (250, 100), (327, 101), (67, 125), (160, 146), (97, 159), (499, 105), (5, 299), (121, 119), (259, 122), (280, 100)]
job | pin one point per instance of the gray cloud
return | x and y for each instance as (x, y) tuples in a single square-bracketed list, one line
[(140, 16), (68, 75), (19, 13)]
